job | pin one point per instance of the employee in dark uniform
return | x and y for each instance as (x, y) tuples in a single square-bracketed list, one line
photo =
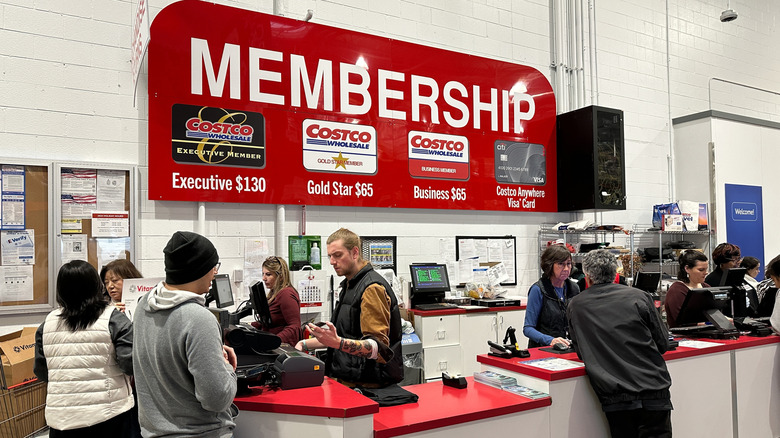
[(773, 271), (364, 335), (283, 300), (693, 270), (545, 314), (725, 256), (620, 337)]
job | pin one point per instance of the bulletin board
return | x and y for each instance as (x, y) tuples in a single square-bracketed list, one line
[(95, 215), (25, 227), (487, 249)]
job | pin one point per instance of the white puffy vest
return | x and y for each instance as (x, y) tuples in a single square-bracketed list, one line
[(86, 386)]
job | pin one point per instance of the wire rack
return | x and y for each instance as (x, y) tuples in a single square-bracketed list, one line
[(22, 409)]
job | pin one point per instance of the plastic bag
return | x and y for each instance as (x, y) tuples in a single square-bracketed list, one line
[(659, 210)]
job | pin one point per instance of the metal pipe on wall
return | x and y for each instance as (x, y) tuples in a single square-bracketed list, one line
[(560, 20), (572, 51), (594, 70), (580, 55), (200, 226), (280, 249), (670, 165)]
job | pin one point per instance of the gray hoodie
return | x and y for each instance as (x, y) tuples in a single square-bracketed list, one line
[(184, 385)]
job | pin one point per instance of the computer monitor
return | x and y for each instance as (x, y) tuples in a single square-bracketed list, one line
[(429, 282), (259, 302), (733, 277), (698, 301), (221, 291), (647, 281)]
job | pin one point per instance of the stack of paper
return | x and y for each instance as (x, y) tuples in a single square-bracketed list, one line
[(495, 379), (526, 392), (507, 383)]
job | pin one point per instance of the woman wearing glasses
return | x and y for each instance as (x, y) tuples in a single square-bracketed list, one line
[(725, 256), (545, 315), (283, 301)]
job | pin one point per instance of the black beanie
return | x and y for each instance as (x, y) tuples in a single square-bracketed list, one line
[(188, 257)]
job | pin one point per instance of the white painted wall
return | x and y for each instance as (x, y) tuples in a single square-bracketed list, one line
[(66, 94), (744, 153)]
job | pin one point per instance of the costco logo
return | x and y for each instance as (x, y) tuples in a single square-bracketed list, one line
[(339, 147), (438, 156)]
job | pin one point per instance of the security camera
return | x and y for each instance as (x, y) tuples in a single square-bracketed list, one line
[(728, 15)]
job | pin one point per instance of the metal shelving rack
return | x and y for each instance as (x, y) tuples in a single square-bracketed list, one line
[(647, 237), (633, 238), (577, 237)]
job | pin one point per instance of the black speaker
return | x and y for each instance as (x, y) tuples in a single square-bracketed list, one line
[(591, 159)]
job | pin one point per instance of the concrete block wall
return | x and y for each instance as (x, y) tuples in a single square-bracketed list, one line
[(66, 94)]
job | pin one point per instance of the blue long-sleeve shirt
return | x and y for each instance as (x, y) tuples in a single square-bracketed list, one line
[(532, 310)]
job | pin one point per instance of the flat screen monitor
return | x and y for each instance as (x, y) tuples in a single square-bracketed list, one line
[(429, 278), (698, 301), (647, 281), (733, 277), (259, 302), (221, 290), (429, 282)]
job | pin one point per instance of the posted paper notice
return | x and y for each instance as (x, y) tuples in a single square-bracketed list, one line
[(18, 247), (17, 283)]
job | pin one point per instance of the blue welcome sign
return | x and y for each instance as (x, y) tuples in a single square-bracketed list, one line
[(745, 221)]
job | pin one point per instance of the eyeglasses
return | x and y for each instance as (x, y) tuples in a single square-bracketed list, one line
[(216, 267), (272, 259)]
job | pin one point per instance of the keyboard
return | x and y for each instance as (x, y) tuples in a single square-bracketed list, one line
[(435, 306), (690, 329)]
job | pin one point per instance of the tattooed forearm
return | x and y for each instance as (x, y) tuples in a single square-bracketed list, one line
[(356, 348)]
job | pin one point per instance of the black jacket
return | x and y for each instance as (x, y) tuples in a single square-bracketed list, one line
[(618, 333), (346, 318)]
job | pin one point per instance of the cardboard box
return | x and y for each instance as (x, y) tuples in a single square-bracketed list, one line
[(17, 354), (672, 222)]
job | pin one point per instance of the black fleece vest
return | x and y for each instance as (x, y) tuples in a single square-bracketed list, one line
[(552, 316), (346, 318)]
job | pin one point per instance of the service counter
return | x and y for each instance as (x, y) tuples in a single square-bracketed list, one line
[(328, 410), (728, 389), (452, 338), (333, 410)]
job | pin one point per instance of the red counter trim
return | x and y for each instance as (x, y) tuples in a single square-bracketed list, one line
[(331, 399), (725, 345), (459, 311), (514, 364), (441, 406)]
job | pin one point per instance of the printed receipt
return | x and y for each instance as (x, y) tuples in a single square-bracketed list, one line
[(553, 364), (697, 344)]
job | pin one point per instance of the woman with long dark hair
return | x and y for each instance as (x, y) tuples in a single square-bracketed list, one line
[(84, 350), (693, 271)]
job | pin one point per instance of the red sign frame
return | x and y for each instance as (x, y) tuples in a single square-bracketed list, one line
[(340, 118)]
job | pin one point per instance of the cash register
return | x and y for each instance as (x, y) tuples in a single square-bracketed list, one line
[(262, 359), (710, 304)]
